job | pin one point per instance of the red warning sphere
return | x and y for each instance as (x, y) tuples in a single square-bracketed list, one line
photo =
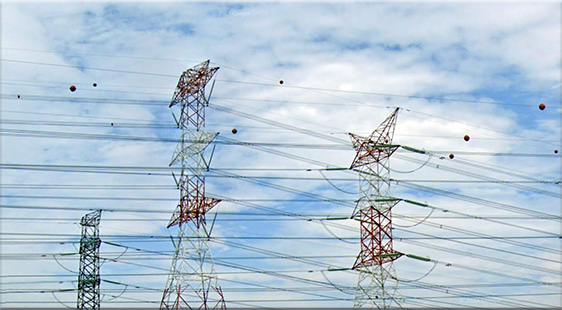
[(555, 151), (72, 88), (234, 131), (542, 106), (111, 124), (466, 137), (281, 82), (451, 156), (95, 84)]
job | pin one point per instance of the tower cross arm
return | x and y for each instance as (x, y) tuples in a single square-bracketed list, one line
[(192, 210), (377, 146), (192, 82), (192, 143)]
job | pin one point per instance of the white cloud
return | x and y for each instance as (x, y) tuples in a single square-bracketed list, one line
[(368, 52)]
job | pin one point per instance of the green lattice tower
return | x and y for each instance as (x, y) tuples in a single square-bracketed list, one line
[(89, 276)]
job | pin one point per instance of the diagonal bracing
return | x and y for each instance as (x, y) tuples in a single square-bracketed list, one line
[(192, 282), (89, 276), (374, 262)]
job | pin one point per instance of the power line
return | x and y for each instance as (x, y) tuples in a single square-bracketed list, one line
[(271, 84), (529, 214)]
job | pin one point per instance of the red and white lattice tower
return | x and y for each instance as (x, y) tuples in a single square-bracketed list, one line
[(192, 282), (375, 260)]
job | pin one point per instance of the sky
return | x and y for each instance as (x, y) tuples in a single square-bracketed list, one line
[(282, 234)]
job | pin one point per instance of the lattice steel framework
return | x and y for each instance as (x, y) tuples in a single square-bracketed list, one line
[(373, 211), (89, 276), (192, 282)]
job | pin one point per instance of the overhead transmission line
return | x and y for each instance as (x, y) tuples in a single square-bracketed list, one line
[(264, 84), (275, 253), (309, 88)]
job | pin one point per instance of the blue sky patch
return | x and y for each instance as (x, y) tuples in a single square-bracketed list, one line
[(355, 46), (185, 29)]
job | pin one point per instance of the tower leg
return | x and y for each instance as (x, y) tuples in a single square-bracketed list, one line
[(192, 283), (376, 287)]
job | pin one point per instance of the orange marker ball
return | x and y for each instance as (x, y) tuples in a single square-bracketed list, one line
[(72, 88), (451, 156), (234, 131), (542, 106), (466, 137)]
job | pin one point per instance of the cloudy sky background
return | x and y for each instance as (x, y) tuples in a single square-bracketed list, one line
[(472, 69)]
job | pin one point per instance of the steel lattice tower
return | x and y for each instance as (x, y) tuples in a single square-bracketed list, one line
[(89, 276), (192, 283), (375, 260)]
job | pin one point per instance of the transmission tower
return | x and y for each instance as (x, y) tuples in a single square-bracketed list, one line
[(375, 260), (192, 282), (89, 276)]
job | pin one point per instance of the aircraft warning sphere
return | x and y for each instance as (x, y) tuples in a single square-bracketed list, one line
[(451, 156), (72, 88), (555, 151), (466, 137), (542, 106), (281, 82), (95, 84), (19, 96), (234, 131)]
